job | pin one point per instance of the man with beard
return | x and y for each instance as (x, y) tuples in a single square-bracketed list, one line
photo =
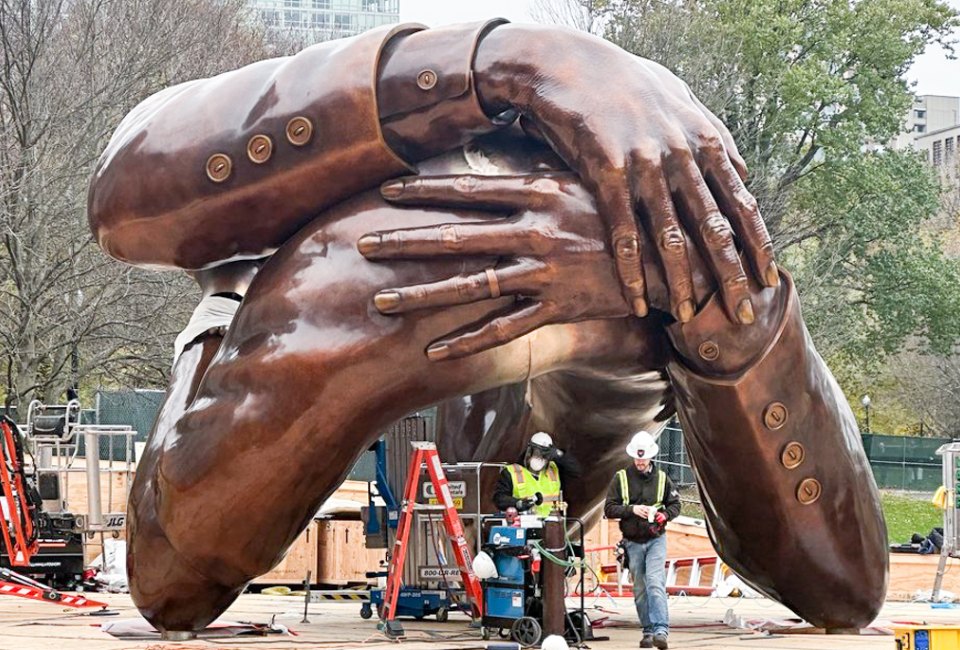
[(644, 499)]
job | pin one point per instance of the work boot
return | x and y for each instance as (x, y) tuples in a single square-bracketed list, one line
[(660, 641), (646, 641)]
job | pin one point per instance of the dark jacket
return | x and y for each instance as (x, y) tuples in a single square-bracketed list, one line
[(642, 490), (567, 466)]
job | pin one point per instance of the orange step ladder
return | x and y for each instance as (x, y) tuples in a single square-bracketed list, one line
[(425, 453)]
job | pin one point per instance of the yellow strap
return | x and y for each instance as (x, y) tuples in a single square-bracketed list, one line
[(661, 484), (624, 489)]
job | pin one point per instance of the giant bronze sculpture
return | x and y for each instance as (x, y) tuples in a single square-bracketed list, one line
[(586, 269)]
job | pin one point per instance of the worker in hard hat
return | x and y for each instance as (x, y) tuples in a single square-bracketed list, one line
[(534, 484), (644, 499)]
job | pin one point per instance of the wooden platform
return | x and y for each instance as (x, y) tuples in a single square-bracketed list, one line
[(696, 623)]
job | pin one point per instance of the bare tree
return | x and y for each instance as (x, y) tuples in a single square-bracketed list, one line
[(584, 15), (69, 71)]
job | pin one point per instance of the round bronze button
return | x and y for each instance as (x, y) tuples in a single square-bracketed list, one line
[(809, 491), (792, 455), (299, 131), (427, 79), (219, 166), (709, 351), (775, 415), (259, 149)]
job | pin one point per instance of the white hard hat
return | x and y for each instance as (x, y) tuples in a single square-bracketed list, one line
[(554, 642), (541, 439), (642, 445), (484, 567)]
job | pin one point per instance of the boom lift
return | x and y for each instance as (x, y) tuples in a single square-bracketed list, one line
[(22, 522)]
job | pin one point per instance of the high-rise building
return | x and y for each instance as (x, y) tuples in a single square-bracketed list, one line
[(321, 20)]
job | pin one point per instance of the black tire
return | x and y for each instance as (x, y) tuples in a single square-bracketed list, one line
[(526, 631), (442, 615), (366, 612)]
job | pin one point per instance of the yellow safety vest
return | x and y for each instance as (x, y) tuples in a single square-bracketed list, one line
[(526, 485), (625, 487)]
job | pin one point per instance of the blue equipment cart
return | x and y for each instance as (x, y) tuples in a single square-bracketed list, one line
[(511, 600)]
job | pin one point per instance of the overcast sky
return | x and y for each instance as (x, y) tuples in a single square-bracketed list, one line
[(934, 74)]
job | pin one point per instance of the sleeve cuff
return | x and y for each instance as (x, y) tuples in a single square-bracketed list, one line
[(711, 344), (425, 91)]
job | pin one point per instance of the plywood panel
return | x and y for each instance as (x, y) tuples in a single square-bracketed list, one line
[(911, 573)]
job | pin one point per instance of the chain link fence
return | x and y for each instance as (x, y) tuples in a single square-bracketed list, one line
[(906, 463)]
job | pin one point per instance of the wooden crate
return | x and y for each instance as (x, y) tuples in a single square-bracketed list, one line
[(304, 554), (342, 556), (301, 557)]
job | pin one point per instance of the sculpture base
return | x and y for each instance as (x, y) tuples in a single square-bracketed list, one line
[(844, 630), (177, 635)]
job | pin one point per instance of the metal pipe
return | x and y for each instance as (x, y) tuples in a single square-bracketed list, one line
[(553, 578), (94, 508)]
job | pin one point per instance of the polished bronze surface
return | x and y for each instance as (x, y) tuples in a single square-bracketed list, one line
[(496, 274)]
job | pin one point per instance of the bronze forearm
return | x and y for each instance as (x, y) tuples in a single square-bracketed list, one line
[(787, 490)]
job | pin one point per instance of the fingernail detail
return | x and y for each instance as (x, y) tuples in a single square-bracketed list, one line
[(391, 190), (771, 275), (438, 352), (368, 244), (386, 301), (745, 311), (640, 307), (685, 311)]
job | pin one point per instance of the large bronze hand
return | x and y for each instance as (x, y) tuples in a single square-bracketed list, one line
[(640, 140), (557, 273)]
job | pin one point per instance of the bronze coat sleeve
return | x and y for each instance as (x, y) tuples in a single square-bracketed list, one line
[(231, 166), (788, 493)]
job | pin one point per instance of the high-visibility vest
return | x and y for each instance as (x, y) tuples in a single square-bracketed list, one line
[(526, 485), (625, 487)]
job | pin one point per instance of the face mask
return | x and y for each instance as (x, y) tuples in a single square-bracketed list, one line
[(537, 463)]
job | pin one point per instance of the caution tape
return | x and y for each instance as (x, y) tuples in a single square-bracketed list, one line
[(342, 594)]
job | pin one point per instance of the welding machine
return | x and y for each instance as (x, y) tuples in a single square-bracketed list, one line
[(511, 601)]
